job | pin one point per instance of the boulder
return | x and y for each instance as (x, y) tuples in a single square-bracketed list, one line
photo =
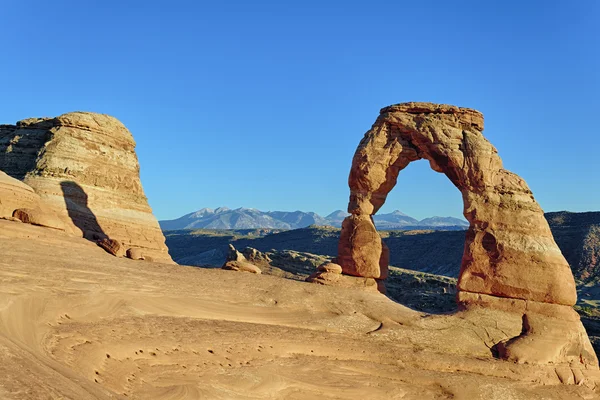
[(135, 253), (84, 167), (111, 246), (330, 267), (241, 266)]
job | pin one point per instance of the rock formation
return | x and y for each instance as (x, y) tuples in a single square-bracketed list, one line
[(236, 261), (84, 167), (330, 273), (40, 216), (241, 266), (15, 194), (18, 201), (510, 262), (234, 255), (111, 246), (255, 256)]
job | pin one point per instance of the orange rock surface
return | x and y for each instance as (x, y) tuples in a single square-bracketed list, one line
[(15, 194)]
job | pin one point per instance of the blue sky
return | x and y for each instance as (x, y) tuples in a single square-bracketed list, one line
[(262, 103)]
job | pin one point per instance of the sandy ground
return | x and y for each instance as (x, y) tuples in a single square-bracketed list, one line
[(77, 323)]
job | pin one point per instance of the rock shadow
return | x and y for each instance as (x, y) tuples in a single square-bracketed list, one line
[(76, 201)]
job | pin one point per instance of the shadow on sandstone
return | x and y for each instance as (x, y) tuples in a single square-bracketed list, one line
[(76, 201)]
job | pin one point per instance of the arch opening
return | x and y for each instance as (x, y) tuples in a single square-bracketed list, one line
[(425, 249)]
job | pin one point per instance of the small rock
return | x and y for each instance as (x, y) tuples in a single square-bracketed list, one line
[(242, 266), (135, 253), (111, 246), (330, 267)]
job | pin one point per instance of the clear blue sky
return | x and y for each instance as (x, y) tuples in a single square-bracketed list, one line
[(262, 103)]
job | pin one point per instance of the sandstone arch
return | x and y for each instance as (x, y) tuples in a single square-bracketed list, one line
[(510, 260)]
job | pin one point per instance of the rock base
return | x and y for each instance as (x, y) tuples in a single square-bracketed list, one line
[(550, 333), (331, 274)]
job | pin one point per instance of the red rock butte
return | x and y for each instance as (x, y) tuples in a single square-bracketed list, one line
[(510, 261)]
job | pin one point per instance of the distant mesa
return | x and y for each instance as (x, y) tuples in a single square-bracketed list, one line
[(84, 169), (251, 218)]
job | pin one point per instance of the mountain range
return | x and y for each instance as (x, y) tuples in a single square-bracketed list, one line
[(432, 251), (251, 218)]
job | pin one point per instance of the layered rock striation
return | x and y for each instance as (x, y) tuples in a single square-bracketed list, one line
[(19, 202), (510, 261), (14, 194), (84, 167)]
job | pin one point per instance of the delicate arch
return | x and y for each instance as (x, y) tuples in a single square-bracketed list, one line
[(509, 249)]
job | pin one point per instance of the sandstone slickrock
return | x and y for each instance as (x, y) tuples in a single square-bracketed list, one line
[(84, 167), (19, 201), (15, 194), (38, 216), (330, 273), (510, 259), (345, 281)]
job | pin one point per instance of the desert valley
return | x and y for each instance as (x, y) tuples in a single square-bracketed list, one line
[(97, 302)]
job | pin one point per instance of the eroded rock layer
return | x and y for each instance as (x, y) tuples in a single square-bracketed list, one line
[(83, 165), (15, 194), (19, 202), (509, 252)]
